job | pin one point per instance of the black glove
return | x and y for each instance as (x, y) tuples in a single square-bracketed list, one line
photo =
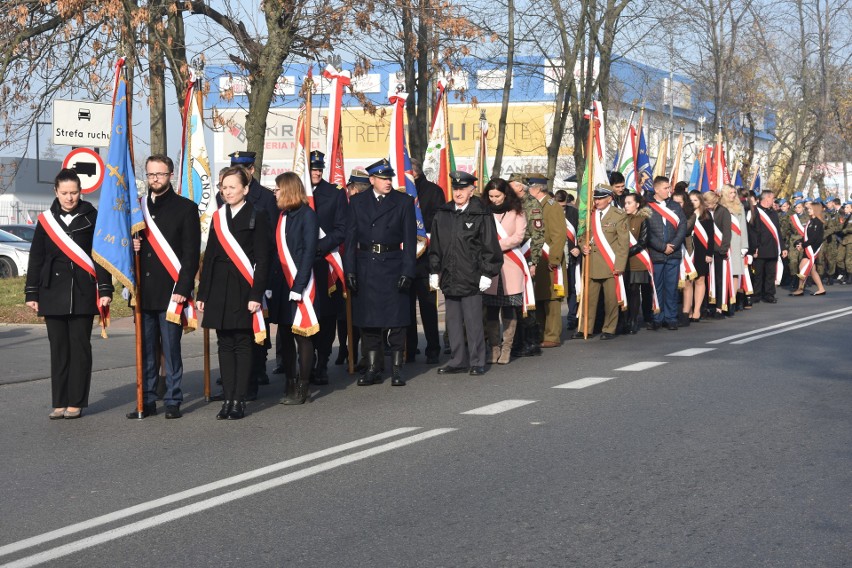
[(352, 283), (404, 284)]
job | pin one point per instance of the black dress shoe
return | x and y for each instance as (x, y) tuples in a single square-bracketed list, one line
[(173, 412), (448, 370), (579, 335), (225, 410), (605, 336), (238, 411), (397, 381), (365, 381), (278, 370), (147, 410), (477, 371)]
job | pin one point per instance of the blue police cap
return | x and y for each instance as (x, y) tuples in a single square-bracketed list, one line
[(242, 158), (381, 169), (317, 160), (461, 179)]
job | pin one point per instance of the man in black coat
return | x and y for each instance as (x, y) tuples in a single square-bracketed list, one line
[(263, 200), (666, 231), (379, 257), (177, 219), (764, 245), (463, 258), (431, 197), (332, 208)]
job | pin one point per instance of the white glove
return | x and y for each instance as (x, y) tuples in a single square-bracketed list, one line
[(295, 296), (434, 280), (268, 294), (125, 293), (749, 259), (484, 283)]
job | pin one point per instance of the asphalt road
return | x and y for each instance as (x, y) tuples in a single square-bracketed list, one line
[(734, 450)]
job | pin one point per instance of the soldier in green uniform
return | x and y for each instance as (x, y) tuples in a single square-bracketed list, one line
[(845, 250), (527, 341), (827, 260)]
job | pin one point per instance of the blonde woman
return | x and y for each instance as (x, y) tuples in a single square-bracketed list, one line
[(729, 198)]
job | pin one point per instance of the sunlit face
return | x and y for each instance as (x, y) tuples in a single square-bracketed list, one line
[(695, 200), (847, 209), (462, 195), (663, 190), (798, 208), (233, 190), (159, 177), (496, 197), (618, 188), (517, 187), (785, 207), (68, 194), (382, 186), (602, 203), (316, 176), (630, 205), (767, 200), (730, 192)]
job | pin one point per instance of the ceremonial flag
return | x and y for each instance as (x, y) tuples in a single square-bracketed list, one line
[(720, 175), (738, 177), (196, 180), (401, 163), (595, 169), (645, 179), (301, 157), (676, 174), (755, 182), (439, 162), (625, 160), (695, 178), (119, 214), (662, 156), (334, 142), (482, 155), (29, 219)]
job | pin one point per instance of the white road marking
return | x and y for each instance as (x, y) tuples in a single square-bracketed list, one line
[(846, 310), (499, 407), (583, 383), (776, 332), (691, 352), (195, 491), (200, 506), (642, 366)]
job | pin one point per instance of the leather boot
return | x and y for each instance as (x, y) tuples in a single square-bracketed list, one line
[(238, 410), (492, 334), (289, 389), (508, 336), (300, 394), (397, 361), (532, 337), (226, 409), (372, 371)]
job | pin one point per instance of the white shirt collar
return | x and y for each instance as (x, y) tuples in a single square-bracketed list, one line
[(463, 207), (237, 208)]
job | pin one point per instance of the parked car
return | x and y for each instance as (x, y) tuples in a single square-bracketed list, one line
[(13, 261), (25, 232), (10, 240)]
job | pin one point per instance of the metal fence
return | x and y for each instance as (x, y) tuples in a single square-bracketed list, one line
[(21, 212)]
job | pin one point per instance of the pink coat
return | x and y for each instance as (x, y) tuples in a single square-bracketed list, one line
[(515, 225)]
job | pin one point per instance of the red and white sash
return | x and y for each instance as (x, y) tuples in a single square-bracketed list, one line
[(78, 256), (797, 224), (609, 257), (570, 231), (745, 277), (238, 256), (770, 226), (649, 266), (735, 226), (305, 322), (809, 261), (558, 276), (516, 256), (664, 211), (727, 292), (176, 313), (687, 266)]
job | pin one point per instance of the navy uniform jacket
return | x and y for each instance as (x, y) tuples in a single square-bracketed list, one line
[(332, 211), (223, 289), (378, 302), (60, 287), (301, 233), (178, 221)]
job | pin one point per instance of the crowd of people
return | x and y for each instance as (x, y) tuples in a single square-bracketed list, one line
[(505, 259)]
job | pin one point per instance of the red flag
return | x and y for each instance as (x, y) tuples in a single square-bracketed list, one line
[(334, 143)]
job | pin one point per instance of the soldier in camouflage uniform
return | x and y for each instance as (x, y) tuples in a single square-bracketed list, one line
[(826, 262), (527, 341), (844, 253)]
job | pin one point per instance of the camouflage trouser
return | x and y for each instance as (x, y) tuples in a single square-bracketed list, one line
[(844, 258), (827, 259), (794, 257)]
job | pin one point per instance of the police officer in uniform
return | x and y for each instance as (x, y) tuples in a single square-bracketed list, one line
[(332, 210), (379, 257), (263, 200), (547, 298), (527, 341)]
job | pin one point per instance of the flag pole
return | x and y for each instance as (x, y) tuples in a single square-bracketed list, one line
[(589, 181), (754, 178), (446, 112)]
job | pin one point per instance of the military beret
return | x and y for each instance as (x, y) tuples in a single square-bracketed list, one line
[(242, 158), (798, 194), (799, 202), (461, 179), (781, 201), (818, 201), (381, 169)]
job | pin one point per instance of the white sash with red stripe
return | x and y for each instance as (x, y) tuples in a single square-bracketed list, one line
[(665, 212), (305, 322), (558, 277), (78, 256), (728, 292), (797, 224), (609, 257), (770, 226), (516, 255), (570, 231), (176, 313), (649, 266), (745, 277), (687, 266), (810, 259), (735, 225), (238, 256)]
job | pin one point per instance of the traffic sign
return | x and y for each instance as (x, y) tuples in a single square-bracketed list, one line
[(81, 123), (89, 167)]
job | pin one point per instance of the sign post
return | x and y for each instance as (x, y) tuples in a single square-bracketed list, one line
[(81, 123), (89, 167)]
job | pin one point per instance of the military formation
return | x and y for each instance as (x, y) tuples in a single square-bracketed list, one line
[(326, 262)]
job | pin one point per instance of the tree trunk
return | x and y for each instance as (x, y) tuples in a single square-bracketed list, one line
[(507, 89), (157, 79)]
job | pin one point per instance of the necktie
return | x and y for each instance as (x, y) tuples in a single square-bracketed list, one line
[(379, 199)]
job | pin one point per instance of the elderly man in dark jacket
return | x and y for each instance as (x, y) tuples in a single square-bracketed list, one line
[(666, 231), (464, 256)]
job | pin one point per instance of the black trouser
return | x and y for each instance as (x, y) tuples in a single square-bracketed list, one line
[(372, 338), (467, 336), (324, 339), (343, 338), (290, 342), (428, 300), (637, 295), (235, 358), (765, 271), (70, 340)]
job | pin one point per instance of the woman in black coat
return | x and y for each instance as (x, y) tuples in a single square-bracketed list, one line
[(814, 236), (225, 296), (67, 295), (301, 232)]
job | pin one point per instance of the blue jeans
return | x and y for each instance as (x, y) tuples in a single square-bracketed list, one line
[(665, 279), (155, 329)]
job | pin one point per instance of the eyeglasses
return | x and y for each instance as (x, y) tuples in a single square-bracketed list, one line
[(158, 175)]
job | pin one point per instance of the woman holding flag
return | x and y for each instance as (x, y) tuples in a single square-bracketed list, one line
[(513, 286), (296, 238), (231, 290), (67, 288)]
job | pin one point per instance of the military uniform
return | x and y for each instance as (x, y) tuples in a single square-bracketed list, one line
[(827, 260), (548, 298), (844, 255)]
